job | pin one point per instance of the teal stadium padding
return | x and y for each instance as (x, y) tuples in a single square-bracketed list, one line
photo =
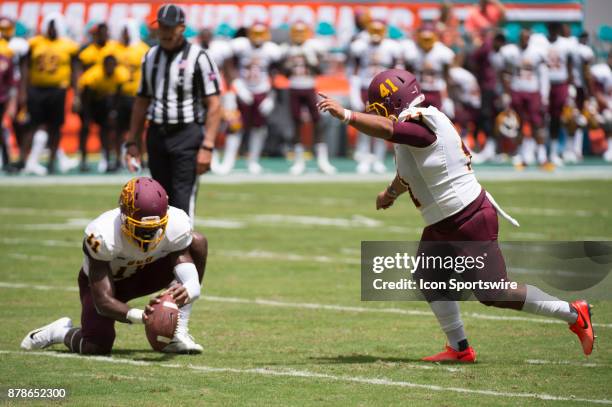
[(225, 30), (144, 31), (190, 32), (539, 28), (512, 31), (20, 29), (605, 33), (395, 33), (326, 29)]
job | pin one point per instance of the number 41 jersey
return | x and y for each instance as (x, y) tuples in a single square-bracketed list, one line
[(439, 177), (105, 241)]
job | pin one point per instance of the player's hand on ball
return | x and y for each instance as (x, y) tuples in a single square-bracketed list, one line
[(179, 293), (149, 308), (332, 106), (384, 200)]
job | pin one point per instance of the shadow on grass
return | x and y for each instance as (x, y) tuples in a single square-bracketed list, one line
[(144, 355)]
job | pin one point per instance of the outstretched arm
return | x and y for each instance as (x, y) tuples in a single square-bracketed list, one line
[(372, 125), (412, 132)]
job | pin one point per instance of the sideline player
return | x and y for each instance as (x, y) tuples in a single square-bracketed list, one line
[(370, 54), (526, 81), (135, 250), (51, 70), (100, 88), (130, 51), (250, 69), (90, 55), (302, 63), (434, 166)]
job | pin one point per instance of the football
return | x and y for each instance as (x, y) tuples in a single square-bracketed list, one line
[(161, 324)]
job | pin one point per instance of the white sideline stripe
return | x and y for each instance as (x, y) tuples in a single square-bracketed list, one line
[(261, 254), (563, 362), (327, 307), (591, 172), (305, 374)]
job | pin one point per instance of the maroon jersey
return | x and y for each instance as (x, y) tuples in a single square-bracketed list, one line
[(7, 77)]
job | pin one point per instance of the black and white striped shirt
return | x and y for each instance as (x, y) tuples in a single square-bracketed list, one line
[(177, 82)]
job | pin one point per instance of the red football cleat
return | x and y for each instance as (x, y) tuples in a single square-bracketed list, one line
[(583, 327), (451, 355)]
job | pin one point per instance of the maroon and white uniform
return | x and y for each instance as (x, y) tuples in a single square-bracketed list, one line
[(436, 167), (429, 67), (529, 83), (370, 59), (581, 55), (253, 65), (602, 78), (301, 63), (559, 54), (136, 273), (465, 94)]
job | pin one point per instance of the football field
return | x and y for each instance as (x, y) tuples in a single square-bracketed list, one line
[(281, 319)]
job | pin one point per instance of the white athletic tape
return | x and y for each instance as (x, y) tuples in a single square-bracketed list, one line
[(305, 374), (169, 304), (327, 307), (163, 339)]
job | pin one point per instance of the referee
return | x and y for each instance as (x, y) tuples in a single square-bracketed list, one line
[(178, 93)]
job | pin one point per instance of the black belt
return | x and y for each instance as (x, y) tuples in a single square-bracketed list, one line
[(171, 128)]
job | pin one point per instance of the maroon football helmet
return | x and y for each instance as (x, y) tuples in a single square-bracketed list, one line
[(144, 211), (392, 91)]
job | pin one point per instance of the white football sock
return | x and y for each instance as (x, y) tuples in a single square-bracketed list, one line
[(183, 320), (541, 151), (257, 139), (298, 150), (447, 313), (578, 141), (362, 150), (380, 150), (39, 143), (232, 145), (554, 148), (539, 303), (59, 334)]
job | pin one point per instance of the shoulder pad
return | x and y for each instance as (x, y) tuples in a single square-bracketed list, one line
[(100, 239), (178, 231)]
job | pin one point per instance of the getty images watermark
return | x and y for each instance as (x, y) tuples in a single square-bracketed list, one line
[(405, 271)]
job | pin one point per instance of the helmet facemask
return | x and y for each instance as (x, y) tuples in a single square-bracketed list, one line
[(145, 233)]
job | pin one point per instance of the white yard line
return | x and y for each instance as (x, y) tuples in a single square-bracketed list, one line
[(305, 374), (325, 307), (563, 362)]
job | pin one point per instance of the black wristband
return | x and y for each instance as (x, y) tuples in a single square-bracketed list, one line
[(207, 148), (129, 144)]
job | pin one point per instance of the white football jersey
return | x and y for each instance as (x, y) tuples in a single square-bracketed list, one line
[(582, 54), (299, 58), (105, 241), (440, 176), (374, 58), (602, 75), (254, 63), (559, 52), (429, 66), (468, 85), (219, 51), (524, 66)]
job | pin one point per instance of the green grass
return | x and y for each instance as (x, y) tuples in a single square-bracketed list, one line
[(328, 343)]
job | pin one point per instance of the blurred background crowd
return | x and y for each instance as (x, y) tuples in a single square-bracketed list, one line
[(535, 93)]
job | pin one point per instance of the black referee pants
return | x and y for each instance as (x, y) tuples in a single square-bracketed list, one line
[(173, 151)]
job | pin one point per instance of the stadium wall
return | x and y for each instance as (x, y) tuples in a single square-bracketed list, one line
[(339, 15)]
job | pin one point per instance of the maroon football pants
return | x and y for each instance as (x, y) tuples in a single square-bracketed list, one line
[(100, 330), (470, 233)]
